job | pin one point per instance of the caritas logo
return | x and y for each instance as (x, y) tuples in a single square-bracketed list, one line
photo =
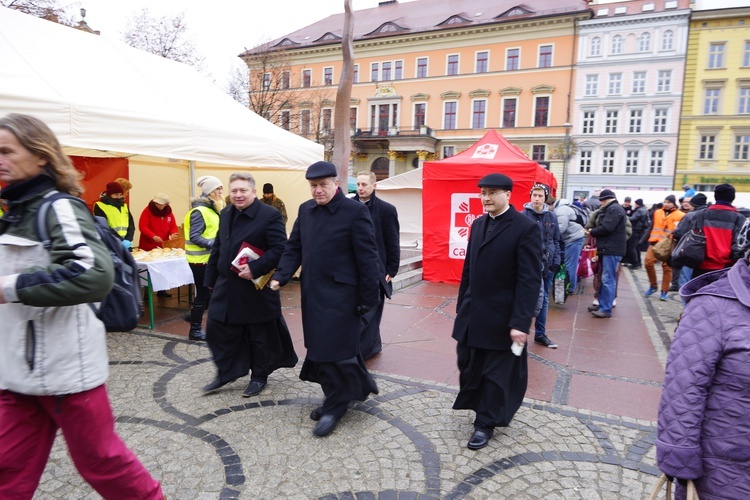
[(465, 208)]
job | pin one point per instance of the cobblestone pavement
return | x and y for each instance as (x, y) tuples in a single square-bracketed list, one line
[(405, 443)]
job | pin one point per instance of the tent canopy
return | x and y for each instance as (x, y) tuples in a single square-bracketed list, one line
[(451, 202), (404, 191)]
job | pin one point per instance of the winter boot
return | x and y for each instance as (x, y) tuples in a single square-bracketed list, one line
[(196, 324)]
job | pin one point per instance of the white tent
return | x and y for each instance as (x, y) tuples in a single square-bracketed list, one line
[(404, 191), (105, 99)]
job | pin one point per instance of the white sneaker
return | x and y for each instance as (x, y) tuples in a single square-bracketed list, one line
[(595, 303), (614, 303)]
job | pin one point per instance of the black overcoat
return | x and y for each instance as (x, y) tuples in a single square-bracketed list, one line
[(385, 219), (335, 244), (500, 282), (236, 300)]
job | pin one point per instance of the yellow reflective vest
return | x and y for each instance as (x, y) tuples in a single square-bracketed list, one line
[(193, 253), (117, 218)]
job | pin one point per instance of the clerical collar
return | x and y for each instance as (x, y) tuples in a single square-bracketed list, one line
[(493, 217)]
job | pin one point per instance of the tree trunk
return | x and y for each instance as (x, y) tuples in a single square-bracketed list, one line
[(342, 143)]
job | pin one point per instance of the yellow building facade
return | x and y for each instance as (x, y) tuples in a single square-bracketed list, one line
[(714, 140), (429, 81)]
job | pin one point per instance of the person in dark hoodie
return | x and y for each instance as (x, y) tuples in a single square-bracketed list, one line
[(698, 204)]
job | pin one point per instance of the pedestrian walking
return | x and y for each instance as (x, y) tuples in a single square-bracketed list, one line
[(665, 221)]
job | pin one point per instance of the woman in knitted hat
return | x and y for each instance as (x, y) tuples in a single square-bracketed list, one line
[(201, 227), (112, 206)]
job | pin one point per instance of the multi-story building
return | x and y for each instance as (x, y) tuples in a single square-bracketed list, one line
[(430, 78), (628, 94), (714, 143)]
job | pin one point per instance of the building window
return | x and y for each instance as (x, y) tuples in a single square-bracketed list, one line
[(656, 162), (285, 119), (386, 71), (304, 122), (482, 62), (664, 82), (716, 56), (610, 124), (608, 161), (266, 82), (398, 70), (509, 112), (632, 156), (285, 80), (374, 70), (589, 118), (512, 59), (746, 55), (545, 56), (421, 67), (452, 68), (538, 152), (636, 120), (742, 147), (639, 82), (355, 76), (711, 102), (419, 114), (541, 111), (660, 120), (478, 113), (584, 163), (306, 77), (383, 117), (596, 46), (667, 40), (449, 115), (352, 118), (744, 107), (326, 120), (448, 151), (615, 83), (328, 76), (592, 85), (708, 143), (644, 42), (617, 44)]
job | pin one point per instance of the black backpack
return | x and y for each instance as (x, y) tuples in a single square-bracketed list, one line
[(121, 309), (582, 216)]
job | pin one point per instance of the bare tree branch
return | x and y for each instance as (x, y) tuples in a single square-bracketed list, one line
[(45, 9)]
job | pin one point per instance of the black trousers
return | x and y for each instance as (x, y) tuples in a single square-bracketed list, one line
[(202, 293), (632, 252), (369, 341), (342, 382)]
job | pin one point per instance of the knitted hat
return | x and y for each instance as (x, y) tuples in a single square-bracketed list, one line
[(126, 185), (671, 199), (161, 199), (639, 202), (267, 188), (208, 184), (724, 192), (606, 194), (698, 200), (113, 188)]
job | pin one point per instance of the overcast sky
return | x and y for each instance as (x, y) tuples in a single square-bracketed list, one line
[(221, 28)]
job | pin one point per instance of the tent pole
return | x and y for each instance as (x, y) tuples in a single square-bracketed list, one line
[(191, 168)]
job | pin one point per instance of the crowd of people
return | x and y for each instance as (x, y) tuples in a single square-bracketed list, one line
[(348, 249)]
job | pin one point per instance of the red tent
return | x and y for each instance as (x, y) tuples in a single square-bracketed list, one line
[(451, 202)]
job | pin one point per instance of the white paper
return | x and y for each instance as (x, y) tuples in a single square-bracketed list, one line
[(517, 348)]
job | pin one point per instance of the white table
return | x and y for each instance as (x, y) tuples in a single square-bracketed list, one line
[(163, 274)]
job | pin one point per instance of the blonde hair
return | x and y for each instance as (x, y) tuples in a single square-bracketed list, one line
[(126, 184), (369, 173), (34, 135)]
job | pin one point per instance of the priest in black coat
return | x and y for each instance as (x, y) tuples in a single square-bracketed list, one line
[(334, 240), (496, 300), (246, 331)]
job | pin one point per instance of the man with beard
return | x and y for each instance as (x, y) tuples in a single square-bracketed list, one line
[(334, 240), (246, 331), (385, 220), (499, 289)]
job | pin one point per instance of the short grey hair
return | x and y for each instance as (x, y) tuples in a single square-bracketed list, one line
[(242, 176)]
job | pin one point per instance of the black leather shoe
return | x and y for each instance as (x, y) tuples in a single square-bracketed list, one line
[(253, 388), (316, 413), (325, 425), (479, 439), (216, 384), (593, 308)]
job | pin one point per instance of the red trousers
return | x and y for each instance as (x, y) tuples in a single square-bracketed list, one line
[(28, 425)]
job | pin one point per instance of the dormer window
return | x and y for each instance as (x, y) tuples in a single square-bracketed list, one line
[(285, 42), (388, 27), (328, 37), (454, 20), (515, 11)]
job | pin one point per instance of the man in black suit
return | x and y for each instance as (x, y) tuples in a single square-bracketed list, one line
[(334, 240), (246, 331), (499, 289), (385, 220)]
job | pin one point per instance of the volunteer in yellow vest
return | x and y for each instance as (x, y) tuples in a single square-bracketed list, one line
[(665, 222), (201, 226), (112, 206)]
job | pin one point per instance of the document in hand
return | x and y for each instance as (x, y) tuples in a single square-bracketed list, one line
[(249, 253)]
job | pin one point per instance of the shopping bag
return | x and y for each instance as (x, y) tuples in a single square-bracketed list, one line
[(691, 494), (663, 249), (560, 285), (588, 262)]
